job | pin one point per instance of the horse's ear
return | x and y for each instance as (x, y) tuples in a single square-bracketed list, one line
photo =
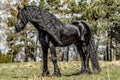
[(24, 6), (19, 8)]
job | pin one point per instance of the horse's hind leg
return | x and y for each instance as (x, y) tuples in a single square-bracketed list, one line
[(87, 53), (54, 60), (84, 59), (45, 60)]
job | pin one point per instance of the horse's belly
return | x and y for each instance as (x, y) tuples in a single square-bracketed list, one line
[(66, 36), (67, 40)]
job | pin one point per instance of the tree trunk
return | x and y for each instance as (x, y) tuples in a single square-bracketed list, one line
[(26, 50), (62, 57), (13, 56), (107, 53), (115, 55), (65, 55), (26, 54), (110, 48)]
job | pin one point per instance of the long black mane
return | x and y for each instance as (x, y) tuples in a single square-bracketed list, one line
[(44, 17)]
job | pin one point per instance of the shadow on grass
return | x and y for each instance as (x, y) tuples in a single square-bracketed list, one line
[(75, 74)]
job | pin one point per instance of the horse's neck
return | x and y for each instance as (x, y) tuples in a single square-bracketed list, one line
[(49, 20), (53, 22)]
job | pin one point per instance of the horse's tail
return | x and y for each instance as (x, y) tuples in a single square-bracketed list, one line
[(91, 47), (93, 55)]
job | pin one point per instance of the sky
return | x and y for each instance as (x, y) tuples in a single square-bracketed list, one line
[(3, 26)]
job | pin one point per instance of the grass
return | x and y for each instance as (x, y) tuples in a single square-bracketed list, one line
[(32, 71)]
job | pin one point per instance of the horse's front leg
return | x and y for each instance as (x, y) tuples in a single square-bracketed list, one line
[(45, 60), (54, 59)]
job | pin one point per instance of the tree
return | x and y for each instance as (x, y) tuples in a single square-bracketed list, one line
[(21, 41), (101, 15)]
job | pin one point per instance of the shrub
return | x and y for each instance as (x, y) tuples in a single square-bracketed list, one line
[(5, 58)]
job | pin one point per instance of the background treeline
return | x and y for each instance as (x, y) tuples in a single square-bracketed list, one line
[(103, 16)]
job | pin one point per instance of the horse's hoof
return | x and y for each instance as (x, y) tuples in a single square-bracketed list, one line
[(97, 72), (45, 73), (89, 72), (77, 73), (57, 74), (81, 72), (85, 71)]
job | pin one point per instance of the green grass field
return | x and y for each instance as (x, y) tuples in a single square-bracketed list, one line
[(32, 71)]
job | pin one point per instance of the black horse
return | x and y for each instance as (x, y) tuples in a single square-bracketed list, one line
[(54, 33)]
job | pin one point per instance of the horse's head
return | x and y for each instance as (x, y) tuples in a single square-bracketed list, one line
[(21, 20)]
